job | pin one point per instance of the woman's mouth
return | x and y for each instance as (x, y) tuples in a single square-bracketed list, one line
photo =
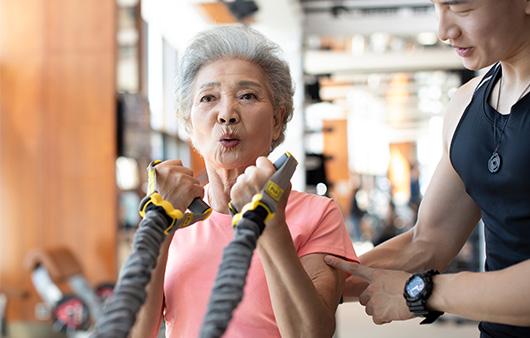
[(229, 141)]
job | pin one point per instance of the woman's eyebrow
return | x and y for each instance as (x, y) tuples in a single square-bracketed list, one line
[(240, 83), (209, 84), (248, 83)]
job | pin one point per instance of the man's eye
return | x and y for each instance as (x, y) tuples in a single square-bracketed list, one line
[(460, 9)]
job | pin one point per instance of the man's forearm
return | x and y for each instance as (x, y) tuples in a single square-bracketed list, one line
[(400, 253), (500, 296)]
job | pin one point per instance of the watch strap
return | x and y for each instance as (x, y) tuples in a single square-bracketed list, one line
[(418, 307)]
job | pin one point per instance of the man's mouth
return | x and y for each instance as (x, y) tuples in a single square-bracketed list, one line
[(462, 51)]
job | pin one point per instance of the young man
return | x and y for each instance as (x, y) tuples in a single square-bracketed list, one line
[(482, 174)]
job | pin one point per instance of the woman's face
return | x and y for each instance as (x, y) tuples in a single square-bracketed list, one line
[(232, 118), (483, 31)]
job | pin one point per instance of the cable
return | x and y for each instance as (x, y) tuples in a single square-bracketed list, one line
[(227, 291), (159, 219), (129, 293)]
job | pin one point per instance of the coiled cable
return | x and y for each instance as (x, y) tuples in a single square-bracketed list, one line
[(129, 293), (227, 291)]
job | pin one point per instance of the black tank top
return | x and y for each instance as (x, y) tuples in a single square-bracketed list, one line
[(504, 196)]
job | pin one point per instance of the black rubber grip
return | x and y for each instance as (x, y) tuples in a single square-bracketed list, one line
[(279, 162), (198, 206)]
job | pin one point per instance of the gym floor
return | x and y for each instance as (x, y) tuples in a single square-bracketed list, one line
[(353, 322)]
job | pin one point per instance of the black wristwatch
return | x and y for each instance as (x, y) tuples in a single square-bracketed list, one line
[(418, 289)]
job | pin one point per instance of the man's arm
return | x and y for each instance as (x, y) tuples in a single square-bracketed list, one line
[(501, 296), (446, 217)]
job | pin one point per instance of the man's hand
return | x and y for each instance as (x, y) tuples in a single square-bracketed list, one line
[(383, 297)]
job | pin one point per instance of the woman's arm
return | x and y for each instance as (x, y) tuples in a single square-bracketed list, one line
[(176, 185), (304, 292)]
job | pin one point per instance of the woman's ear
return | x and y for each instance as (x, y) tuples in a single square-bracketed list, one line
[(278, 122), (191, 134)]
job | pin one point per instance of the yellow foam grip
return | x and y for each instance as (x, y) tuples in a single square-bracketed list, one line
[(256, 201), (151, 177), (173, 213)]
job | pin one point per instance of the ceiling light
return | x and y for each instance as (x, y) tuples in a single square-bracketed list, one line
[(427, 38)]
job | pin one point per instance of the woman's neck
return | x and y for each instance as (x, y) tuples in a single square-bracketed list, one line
[(221, 182)]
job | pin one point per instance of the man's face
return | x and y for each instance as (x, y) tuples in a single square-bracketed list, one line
[(483, 31)]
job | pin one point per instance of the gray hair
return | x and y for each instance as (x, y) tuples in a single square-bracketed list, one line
[(241, 42)]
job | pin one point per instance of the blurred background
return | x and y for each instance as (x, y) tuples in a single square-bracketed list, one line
[(86, 102)]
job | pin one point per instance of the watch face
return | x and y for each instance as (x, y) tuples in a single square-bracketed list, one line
[(415, 286)]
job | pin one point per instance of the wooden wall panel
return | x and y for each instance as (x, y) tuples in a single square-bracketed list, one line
[(57, 137), (218, 12), (336, 148)]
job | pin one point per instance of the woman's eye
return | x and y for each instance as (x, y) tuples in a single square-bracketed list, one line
[(207, 98), (248, 96)]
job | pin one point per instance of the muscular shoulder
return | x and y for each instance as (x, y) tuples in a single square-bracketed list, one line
[(456, 107)]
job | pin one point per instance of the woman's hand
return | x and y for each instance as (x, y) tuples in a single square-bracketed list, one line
[(251, 182), (176, 184)]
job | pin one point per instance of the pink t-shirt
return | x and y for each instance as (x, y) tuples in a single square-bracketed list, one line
[(316, 226)]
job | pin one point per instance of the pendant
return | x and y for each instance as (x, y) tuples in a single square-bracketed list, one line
[(494, 163)]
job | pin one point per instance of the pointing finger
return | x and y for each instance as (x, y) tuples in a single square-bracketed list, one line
[(352, 268)]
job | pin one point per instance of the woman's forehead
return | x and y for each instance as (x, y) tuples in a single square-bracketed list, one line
[(240, 72)]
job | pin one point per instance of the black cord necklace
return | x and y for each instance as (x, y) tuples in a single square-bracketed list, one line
[(494, 163)]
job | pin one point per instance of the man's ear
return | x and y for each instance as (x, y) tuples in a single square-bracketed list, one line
[(278, 122)]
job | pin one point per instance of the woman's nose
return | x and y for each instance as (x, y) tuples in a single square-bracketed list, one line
[(228, 113), (231, 120)]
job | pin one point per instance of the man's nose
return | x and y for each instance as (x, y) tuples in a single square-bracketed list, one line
[(447, 29)]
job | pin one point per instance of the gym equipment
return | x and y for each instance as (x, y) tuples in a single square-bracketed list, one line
[(5, 294), (72, 313), (160, 219), (227, 291)]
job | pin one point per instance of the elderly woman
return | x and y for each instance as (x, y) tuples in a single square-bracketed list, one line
[(235, 97)]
